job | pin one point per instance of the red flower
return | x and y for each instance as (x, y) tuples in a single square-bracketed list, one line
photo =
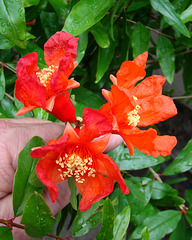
[(78, 154), (48, 88), (130, 107)]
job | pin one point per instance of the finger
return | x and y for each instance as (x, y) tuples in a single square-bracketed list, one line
[(114, 141)]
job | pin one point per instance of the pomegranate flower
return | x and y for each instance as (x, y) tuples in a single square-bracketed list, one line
[(48, 88), (131, 107), (78, 154)]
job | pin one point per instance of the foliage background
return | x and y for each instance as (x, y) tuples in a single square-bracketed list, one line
[(110, 32)]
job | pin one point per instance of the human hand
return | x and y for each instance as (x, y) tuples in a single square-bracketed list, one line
[(14, 135)]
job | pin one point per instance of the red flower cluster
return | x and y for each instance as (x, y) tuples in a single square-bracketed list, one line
[(132, 105), (78, 154), (48, 88)]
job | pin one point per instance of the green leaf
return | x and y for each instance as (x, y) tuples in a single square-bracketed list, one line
[(188, 215), (87, 220), (170, 15), (37, 217), (85, 14), (5, 43), (61, 7), (140, 39), (187, 74), (169, 201), (8, 108), (138, 161), (100, 35), (61, 217), (82, 45), (39, 113), (2, 84), (186, 16), (145, 234), (188, 194), (12, 22), (159, 224), (134, 189), (137, 5), (166, 57), (87, 97), (73, 196), (160, 190), (29, 3), (180, 231), (22, 189), (105, 57), (34, 180), (106, 230), (182, 163), (121, 223), (5, 233)]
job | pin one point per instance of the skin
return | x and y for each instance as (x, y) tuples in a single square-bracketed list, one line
[(14, 135)]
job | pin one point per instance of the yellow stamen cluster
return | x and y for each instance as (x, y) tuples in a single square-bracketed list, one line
[(133, 116), (76, 162), (45, 75)]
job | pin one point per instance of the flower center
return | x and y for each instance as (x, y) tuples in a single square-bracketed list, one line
[(45, 76), (76, 161), (133, 117)]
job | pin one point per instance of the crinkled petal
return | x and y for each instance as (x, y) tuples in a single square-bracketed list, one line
[(95, 125), (141, 60), (61, 44), (52, 149), (150, 86), (94, 189), (63, 108), (164, 145), (153, 110), (30, 91), (59, 81), (128, 74), (106, 166), (27, 65)]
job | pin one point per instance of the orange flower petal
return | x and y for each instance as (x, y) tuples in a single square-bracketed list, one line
[(141, 59), (24, 110)]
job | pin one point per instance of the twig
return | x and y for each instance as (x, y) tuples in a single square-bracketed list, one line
[(5, 65), (181, 97), (12, 224), (156, 176), (10, 97)]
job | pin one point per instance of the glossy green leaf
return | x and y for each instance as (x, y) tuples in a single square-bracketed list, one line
[(106, 230), (87, 97), (121, 223), (166, 57), (188, 194), (180, 231), (140, 39), (187, 74), (186, 16), (182, 163), (180, 5), (137, 5), (168, 11), (61, 218), (82, 46), (188, 215), (5, 43), (2, 84), (87, 220), (5, 233), (85, 14), (34, 180), (37, 217), (145, 234), (159, 224), (168, 201), (138, 161), (100, 35), (8, 108), (73, 196), (22, 189), (39, 113), (105, 57), (135, 190), (29, 3), (61, 7), (160, 190), (12, 22)]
